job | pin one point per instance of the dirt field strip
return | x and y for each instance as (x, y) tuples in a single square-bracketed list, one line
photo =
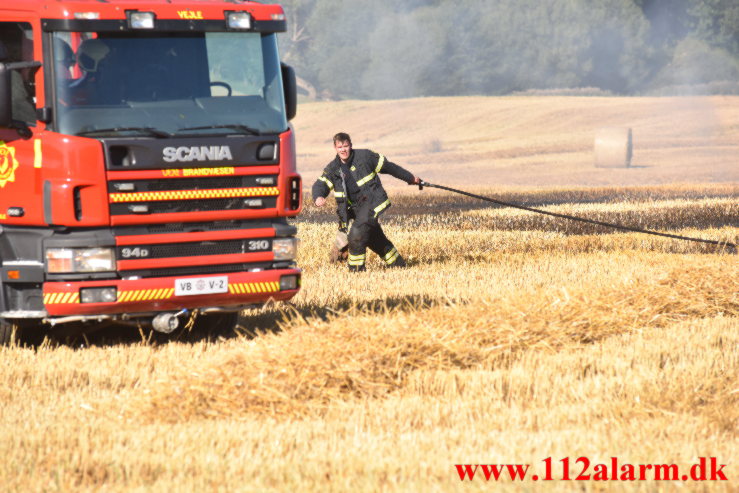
[(531, 141)]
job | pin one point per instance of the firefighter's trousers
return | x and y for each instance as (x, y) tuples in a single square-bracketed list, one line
[(367, 232)]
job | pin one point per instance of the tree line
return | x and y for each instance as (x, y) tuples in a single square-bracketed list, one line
[(376, 49)]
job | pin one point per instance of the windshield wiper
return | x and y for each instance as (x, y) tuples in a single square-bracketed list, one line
[(235, 126), (154, 132)]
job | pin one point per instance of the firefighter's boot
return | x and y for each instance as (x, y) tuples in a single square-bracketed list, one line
[(392, 258), (356, 262), (398, 264)]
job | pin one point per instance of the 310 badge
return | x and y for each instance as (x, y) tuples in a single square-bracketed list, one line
[(8, 164)]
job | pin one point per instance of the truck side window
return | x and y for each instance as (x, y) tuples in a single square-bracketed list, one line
[(18, 40)]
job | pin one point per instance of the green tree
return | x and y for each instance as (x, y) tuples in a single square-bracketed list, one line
[(716, 22), (385, 48)]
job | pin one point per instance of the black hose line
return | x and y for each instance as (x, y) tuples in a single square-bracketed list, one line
[(581, 219)]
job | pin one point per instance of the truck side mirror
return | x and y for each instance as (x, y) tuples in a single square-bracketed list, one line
[(6, 97), (290, 85), (6, 103)]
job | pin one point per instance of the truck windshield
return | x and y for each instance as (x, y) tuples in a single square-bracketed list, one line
[(172, 83)]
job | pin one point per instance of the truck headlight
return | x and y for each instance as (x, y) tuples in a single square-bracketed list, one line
[(288, 283), (285, 248), (140, 20), (73, 260), (238, 20), (98, 295)]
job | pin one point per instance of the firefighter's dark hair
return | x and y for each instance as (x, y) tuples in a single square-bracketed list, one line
[(342, 137)]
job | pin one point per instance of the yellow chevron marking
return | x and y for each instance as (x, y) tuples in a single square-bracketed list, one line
[(61, 298), (145, 295), (161, 294), (254, 287), (193, 194)]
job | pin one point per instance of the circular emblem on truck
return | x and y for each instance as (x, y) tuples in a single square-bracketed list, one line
[(8, 164)]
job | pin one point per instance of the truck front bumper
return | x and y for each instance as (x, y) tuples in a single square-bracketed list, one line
[(158, 294)]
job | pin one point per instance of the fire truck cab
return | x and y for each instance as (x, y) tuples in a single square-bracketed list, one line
[(147, 163)]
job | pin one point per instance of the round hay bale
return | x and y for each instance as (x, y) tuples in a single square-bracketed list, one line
[(613, 147)]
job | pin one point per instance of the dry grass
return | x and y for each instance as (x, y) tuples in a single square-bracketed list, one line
[(497, 345), (511, 338), (373, 355)]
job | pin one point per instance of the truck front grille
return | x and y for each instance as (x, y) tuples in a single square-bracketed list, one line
[(194, 227), (198, 270), (194, 249), (177, 195), (137, 208)]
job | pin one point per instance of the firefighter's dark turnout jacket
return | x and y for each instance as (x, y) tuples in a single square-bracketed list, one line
[(364, 165), (360, 196)]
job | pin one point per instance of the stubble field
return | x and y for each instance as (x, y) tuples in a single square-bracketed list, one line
[(510, 338)]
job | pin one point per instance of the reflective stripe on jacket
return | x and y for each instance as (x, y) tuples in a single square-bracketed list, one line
[(364, 165)]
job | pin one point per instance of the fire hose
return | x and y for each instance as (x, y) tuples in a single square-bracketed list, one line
[(731, 246)]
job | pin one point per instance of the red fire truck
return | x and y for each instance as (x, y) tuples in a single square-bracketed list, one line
[(147, 166)]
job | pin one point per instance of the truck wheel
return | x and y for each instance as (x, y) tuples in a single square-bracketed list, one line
[(218, 323), (21, 332), (9, 333)]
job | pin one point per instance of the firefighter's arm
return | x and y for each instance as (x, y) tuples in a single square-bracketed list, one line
[(320, 190), (398, 172)]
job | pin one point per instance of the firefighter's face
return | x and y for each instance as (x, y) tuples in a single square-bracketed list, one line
[(343, 149)]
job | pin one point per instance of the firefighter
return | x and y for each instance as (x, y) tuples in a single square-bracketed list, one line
[(90, 88), (360, 198)]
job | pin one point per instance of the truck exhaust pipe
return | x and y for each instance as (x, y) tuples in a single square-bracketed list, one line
[(166, 323)]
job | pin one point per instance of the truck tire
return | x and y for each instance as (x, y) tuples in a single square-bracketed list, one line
[(21, 333), (219, 323), (9, 332)]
